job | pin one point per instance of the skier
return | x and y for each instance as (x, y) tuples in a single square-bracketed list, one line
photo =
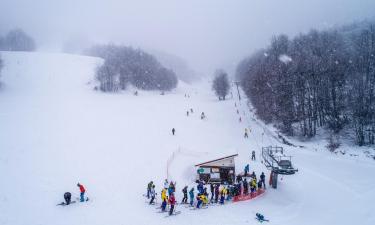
[(152, 194), (187, 113), (240, 120), (212, 189), (200, 187), (246, 170), (245, 187), (222, 195), (253, 175), (253, 155), (217, 192), (191, 195), (173, 131), (191, 110), (82, 192), (203, 116), (199, 201), (67, 197), (263, 179), (246, 134), (164, 199), (184, 191), (149, 186), (172, 202)]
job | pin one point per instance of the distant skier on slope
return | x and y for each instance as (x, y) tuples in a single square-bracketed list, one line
[(187, 113), (173, 131), (246, 135), (203, 116), (82, 192), (253, 155), (247, 170), (263, 180)]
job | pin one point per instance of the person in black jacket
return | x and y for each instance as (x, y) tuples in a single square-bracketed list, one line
[(67, 198), (184, 191)]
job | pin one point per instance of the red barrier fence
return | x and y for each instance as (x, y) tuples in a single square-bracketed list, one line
[(244, 197)]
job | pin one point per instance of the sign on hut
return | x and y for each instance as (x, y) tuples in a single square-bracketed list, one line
[(221, 170)]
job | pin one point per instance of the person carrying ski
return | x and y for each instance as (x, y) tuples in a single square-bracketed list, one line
[(253, 155), (172, 202), (82, 192), (67, 197), (152, 194), (173, 131), (164, 199), (184, 191), (263, 180), (191, 195), (149, 186)]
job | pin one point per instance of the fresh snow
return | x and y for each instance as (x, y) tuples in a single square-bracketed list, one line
[(57, 131)]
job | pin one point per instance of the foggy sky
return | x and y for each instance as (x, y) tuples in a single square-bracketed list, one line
[(207, 33)]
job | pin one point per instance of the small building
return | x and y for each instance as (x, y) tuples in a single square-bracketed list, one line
[(221, 170)]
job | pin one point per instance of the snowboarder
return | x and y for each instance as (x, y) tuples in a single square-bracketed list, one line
[(172, 202), (246, 134), (253, 155), (263, 180), (149, 186), (152, 194), (246, 170), (164, 199), (67, 197), (191, 195), (184, 191), (173, 131), (82, 192)]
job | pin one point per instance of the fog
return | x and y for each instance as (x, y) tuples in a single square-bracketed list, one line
[(208, 34)]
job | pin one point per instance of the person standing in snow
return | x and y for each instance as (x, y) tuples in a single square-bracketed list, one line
[(82, 192), (263, 180), (245, 187), (184, 191), (152, 194), (246, 134), (191, 110), (247, 170), (67, 197), (173, 131), (212, 191), (217, 192), (203, 116), (187, 113), (149, 186), (165, 184), (172, 202), (191, 195), (253, 155), (164, 199)]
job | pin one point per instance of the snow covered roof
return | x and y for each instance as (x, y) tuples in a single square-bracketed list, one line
[(218, 160)]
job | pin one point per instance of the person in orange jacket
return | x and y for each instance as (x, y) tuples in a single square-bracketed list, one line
[(82, 192)]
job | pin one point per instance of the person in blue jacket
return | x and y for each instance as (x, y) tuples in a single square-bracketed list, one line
[(191, 195)]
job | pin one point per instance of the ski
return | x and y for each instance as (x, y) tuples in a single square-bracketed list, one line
[(64, 204), (173, 214)]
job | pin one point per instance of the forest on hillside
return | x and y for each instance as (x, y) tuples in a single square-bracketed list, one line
[(322, 79)]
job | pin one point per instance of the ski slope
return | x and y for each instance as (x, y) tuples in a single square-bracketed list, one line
[(56, 131)]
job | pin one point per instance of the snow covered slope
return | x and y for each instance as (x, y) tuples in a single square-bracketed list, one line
[(56, 131)]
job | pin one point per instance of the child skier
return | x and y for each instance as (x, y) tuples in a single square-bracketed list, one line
[(172, 202), (152, 194), (82, 192)]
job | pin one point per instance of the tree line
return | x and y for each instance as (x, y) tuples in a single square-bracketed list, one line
[(17, 40), (319, 79), (125, 65)]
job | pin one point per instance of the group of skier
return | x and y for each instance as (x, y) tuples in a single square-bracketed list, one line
[(68, 196), (219, 193)]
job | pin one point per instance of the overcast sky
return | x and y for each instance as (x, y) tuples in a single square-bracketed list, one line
[(207, 33)]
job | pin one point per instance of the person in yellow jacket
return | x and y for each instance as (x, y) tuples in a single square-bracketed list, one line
[(253, 185), (164, 199), (204, 199)]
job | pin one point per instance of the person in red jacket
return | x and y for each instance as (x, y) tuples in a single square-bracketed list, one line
[(82, 190), (172, 202)]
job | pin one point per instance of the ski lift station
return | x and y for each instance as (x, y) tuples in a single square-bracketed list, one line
[(220, 170)]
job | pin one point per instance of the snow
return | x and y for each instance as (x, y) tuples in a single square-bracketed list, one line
[(56, 131)]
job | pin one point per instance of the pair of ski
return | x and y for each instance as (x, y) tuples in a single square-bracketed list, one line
[(72, 202)]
